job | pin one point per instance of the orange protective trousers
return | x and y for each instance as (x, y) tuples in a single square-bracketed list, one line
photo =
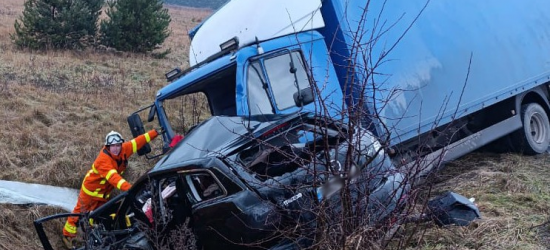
[(85, 203)]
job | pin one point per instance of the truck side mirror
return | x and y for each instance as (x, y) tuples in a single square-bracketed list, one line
[(152, 113), (303, 97), (136, 126)]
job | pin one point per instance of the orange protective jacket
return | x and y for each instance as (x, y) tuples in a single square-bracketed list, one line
[(107, 169)]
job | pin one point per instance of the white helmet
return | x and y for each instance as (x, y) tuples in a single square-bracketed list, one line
[(113, 137)]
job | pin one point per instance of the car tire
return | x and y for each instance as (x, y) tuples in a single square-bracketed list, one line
[(534, 136)]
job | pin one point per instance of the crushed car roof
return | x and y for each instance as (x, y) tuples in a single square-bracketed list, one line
[(219, 135)]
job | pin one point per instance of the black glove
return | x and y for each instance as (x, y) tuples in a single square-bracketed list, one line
[(160, 130)]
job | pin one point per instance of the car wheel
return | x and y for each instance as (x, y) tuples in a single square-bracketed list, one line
[(535, 134)]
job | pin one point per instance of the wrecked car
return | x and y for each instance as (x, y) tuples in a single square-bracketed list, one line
[(247, 182)]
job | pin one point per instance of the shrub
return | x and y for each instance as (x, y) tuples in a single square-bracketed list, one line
[(57, 24), (135, 25)]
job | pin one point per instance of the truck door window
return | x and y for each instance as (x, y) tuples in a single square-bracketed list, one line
[(258, 98), (283, 81)]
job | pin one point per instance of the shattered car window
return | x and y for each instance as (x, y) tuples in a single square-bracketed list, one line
[(203, 186)]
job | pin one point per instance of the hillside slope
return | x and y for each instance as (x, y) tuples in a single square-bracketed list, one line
[(209, 4), (512, 193), (57, 106)]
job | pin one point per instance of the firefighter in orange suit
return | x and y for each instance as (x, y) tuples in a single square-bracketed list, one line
[(104, 176)]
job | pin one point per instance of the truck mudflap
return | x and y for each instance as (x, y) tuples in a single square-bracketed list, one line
[(40, 228)]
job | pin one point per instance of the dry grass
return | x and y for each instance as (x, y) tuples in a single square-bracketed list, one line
[(512, 194), (58, 105), (17, 228)]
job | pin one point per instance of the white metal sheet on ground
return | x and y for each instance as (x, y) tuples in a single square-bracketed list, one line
[(13, 192), (278, 18)]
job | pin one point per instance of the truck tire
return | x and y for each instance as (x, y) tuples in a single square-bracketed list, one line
[(534, 137)]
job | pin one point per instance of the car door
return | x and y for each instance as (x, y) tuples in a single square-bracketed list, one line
[(221, 217)]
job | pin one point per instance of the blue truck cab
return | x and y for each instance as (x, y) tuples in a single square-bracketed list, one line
[(434, 80), (246, 82)]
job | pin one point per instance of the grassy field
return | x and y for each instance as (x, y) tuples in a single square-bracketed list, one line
[(58, 105), (513, 196)]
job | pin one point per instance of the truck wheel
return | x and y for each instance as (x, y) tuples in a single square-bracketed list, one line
[(535, 135)]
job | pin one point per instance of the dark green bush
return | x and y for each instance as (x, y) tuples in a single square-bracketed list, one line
[(135, 25), (57, 24)]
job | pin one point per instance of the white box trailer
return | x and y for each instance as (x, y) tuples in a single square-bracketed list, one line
[(434, 80)]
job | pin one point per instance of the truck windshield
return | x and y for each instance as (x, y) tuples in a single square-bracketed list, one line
[(286, 151), (198, 100), (186, 111), (281, 76)]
